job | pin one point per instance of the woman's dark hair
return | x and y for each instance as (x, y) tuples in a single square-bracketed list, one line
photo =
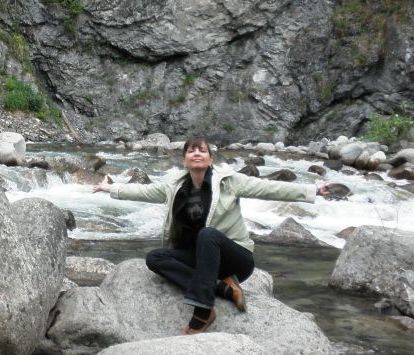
[(196, 142)]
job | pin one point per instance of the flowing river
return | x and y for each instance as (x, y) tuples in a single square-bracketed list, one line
[(118, 230)]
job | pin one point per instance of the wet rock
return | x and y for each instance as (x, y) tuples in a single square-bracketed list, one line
[(92, 162), (8, 155), (337, 192), (155, 140), (402, 294), (212, 343), (87, 177), (282, 175), (69, 219), (128, 307), (408, 187), (346, 232), (231, 161), (384, 167), (403, 171), (265, 147), (289, 232), (317, 169), (32, 257), (373, 177), (333, 164), (348, 172), (374, 260), (350, 152), (258, 161), (403, 156), (17, 141), (250, 170), (405, 322), (86, 271), (235, 146), (138, 176), (41, 164)]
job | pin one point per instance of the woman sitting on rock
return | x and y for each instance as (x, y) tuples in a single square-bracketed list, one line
[(211, 249)]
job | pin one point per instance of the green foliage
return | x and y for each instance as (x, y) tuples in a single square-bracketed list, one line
[(189, 79), (388, 129), (236, 95), (228, 127), (18, 47), (21, 97), (179, 99), (353, 17), (73, 8)]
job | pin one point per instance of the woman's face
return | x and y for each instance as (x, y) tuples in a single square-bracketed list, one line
[(197, 158)]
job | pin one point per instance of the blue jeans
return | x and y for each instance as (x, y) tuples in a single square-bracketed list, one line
[(197, 270)]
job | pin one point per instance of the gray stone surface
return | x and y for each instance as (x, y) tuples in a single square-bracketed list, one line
[(252, 69), (86, 271), (32, 257), (134, 304), (377, 260), (200, 344), (290, 232)]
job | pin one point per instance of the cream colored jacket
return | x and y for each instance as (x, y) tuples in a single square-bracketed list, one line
[(228, 187)]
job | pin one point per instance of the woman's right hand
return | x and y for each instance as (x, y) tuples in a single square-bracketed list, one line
[(105, 185)]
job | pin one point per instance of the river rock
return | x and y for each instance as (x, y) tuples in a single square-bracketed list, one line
[(258, 161), (406, 322), (317, 169), (138, 176), (350, 152), (8, 155), (32, 257), (374, 260), (408, 187), (333, 164), (18, 142), (337, 192), (290, 232), (69, 219), (403, 156), (265, 147), (85, 271), (87, 177), (155, 140), (207, 343), (373, 177), (134, 304), (282, 175), (403, 171), (346, 232), (38, 163), (402, 294), (250, 170)]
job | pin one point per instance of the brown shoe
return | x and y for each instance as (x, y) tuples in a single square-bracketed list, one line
[(238, 294), (206, 323)]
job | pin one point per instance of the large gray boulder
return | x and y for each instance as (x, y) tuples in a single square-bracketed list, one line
[(378, 260), (32, 256), (12, 148), (208, 343), (290, 232), (134, 304)]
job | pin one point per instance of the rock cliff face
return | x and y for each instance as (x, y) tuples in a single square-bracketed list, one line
[(234, 70)]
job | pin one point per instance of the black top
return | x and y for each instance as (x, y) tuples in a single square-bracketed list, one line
[(190, 211)]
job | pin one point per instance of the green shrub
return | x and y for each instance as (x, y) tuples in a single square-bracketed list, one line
[(21, 97), (189, 79), (388, 129)]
